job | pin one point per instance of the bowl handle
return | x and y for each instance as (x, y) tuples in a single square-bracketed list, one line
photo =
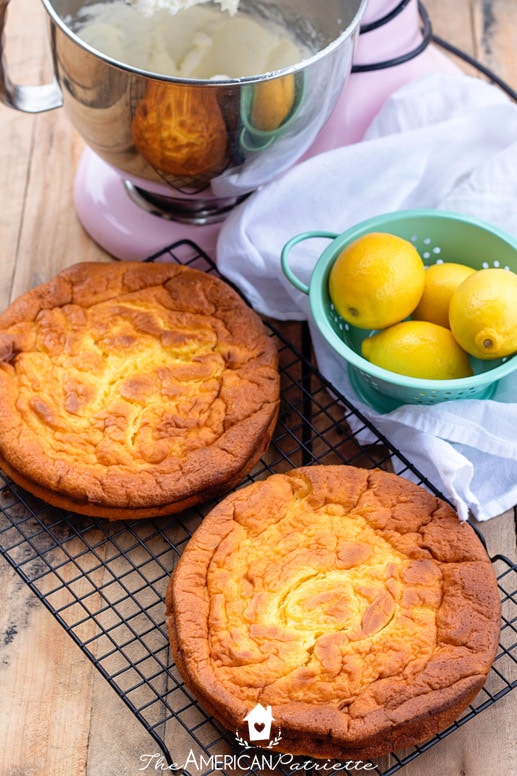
[(30, 99), (286, 269)]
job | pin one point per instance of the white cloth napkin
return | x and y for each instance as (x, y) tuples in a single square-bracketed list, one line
[(444, 141)]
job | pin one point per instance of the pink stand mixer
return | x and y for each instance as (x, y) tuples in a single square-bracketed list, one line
[(133, 218)]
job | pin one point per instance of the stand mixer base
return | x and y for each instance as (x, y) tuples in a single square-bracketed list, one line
[(122, 227)]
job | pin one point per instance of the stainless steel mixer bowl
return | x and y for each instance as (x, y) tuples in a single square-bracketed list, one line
[(101, 97)]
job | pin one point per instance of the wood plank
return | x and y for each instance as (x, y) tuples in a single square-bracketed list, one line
[(59, 239), (483, 29), (452, 22), (59, 715), (16, 142), (41, 673), (38, 157), (495, 25)]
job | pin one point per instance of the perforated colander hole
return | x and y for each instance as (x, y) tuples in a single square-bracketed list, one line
[(371, 380), (426, 254), (495, 263), (422, 397), (334, 316), (426, 241)]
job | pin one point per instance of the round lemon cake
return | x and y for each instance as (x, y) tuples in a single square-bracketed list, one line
[(351, 602), (133, 390)]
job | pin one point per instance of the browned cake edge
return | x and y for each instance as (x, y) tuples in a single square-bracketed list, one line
[(90, 509), (419, 728)]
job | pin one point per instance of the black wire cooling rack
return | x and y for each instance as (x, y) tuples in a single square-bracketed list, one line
[(105, 581)]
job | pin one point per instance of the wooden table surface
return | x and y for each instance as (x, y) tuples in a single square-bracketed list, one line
[(58, 716)]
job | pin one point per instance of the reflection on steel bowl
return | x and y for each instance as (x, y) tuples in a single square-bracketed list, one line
[(181, 132), (268, 108), (103, 98)]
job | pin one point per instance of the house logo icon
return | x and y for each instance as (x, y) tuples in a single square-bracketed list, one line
[(259, 722)]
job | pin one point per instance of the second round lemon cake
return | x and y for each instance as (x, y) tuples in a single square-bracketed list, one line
[(351, 602)]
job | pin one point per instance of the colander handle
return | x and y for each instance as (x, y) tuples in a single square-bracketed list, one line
[(286, 269), (30, 99)]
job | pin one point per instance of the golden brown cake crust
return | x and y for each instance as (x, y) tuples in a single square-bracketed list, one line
[(352, 602), (133, 389)]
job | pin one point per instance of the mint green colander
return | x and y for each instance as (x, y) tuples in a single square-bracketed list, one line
[(438, 236)]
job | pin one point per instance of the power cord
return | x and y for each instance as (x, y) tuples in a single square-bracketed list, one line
[(474, 62), (427, 37), (384, 19)]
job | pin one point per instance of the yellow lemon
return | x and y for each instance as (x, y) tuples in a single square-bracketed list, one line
[(483, 313), (273, 102), (377, 281), (418, 349), (441, 280)]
